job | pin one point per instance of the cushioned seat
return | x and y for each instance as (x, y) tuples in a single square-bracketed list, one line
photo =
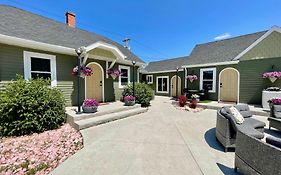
[(244, 110), (254, 123), (227, 128), (273, 141), (247, 129)]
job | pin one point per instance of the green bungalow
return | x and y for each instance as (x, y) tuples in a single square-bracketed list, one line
[(35, 46), (231, 69)]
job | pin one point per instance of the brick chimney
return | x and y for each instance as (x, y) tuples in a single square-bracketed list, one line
[(70, 19)]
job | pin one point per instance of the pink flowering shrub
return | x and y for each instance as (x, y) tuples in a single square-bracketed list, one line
[(38, 153), (275, 101), (85, 71), (129, 98), (90, 103), (192, 77), (272, 75)]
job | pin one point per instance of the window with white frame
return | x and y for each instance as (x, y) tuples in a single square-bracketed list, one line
[(162, 84), (38, 65), (208, 79), (149, 79), (124, 79)]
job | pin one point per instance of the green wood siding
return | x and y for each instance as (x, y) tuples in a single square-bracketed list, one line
[(11, 63), (270, 47), (251, 81), (196, 84), (170, 74)]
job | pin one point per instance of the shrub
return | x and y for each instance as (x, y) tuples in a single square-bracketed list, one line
[(30, 106), (182, 100), (144, 94)]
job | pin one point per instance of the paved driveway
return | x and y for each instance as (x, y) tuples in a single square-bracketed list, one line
[(164, 140)]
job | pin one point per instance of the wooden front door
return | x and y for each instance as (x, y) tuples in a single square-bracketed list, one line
[(94, 83), (229, 85), (174, 87)]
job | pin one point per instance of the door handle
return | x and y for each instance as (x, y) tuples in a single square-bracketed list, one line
[(100, 83), (220, 85)]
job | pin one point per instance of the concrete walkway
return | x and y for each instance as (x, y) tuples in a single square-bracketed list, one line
[(165, 140)]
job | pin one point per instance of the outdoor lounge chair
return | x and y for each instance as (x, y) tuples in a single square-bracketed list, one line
[(226, 127), (254, 156)]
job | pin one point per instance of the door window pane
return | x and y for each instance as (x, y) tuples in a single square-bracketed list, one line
[(165, 83)]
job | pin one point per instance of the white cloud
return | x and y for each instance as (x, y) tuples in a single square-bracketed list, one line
[(223, 36)]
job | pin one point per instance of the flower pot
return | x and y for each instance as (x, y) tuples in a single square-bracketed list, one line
[(89, 109), (130, 103), (272, 79), (113, 76)]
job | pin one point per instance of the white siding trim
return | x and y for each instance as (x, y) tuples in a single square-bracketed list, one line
[(214, 78), (166, 92), (27, 65), (151, 79), (129, 73), (211, 64)]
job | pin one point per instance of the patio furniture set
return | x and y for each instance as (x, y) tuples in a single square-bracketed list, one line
[(252, 154)]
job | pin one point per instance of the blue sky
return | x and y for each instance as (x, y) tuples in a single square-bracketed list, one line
[(162, 28)]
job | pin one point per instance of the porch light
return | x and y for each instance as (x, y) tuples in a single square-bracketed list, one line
[(79, 51), (134, 63)]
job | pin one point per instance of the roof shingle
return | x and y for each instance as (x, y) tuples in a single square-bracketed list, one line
[(22, 24)]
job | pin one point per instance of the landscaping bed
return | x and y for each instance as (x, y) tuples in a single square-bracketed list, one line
[(38, 153)]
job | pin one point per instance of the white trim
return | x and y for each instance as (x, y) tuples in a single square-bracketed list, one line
[(102, 71), (36, 45), (15, 41), (211, 64), (273, 29), (151, 79), (179, 79), (168, 84), (129, 73), (27, 65), (185, 75), (214, 78), (164, 71), (106, 46), (238, 83)]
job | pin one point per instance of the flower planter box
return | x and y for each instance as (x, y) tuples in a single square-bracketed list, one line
[(130, 103), (91, 109)]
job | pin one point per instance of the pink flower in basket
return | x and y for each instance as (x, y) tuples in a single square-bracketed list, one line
[(129, 98), (85, 71), (114, 73), (90, 102), (191, 78), (275, 101)]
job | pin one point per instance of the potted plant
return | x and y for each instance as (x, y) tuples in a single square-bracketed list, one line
[(272, 103), (272, 76), (90, 106), (182, 100), (191, 78), (194, 101), (129, 100), (114, 73), (84, 71)]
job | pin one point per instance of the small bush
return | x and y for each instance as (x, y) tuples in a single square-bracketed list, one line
[(144, 94), (182, 100), (30, 106)]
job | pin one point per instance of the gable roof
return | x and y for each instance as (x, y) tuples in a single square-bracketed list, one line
[(222, 51), (26, 25), (166, 65)]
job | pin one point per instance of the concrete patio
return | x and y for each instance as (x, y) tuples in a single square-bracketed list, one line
[(164, 140)]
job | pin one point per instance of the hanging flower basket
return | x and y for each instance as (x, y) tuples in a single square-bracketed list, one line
[(114, 73), (272, 76), (191, 78), (84, 71)]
